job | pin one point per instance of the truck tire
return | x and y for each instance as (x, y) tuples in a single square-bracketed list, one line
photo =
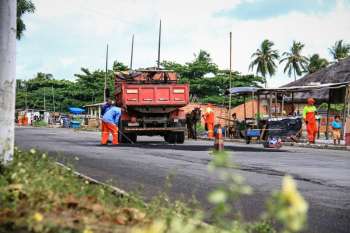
[(170, 138), (180, 137), (173, 137)]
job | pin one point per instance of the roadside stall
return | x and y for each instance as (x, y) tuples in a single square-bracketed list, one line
[(76, 120), (284, 120)]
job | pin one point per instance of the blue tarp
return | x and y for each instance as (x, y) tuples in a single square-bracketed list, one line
[(76, 110), (242, 90)]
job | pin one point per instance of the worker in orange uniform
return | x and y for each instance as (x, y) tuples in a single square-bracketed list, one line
[(309, 115), (209, 120), (110, 122)]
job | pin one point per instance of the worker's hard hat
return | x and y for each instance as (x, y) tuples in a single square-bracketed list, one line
[(311, 101)]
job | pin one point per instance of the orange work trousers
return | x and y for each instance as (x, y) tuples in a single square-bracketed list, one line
[(311, 126), (109, 128), (210, 130)]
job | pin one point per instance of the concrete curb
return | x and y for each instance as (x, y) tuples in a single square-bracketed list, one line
[(114, 189), (117, 191), (292, 144)]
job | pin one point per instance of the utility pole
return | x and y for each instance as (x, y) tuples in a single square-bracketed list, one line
[(26, 97), (230, 77), (7, 78), (44, 100), (53, 99), (105, 89), (159, 40), (132, 51)]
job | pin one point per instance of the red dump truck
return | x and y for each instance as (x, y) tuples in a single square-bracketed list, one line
[(151, 100)]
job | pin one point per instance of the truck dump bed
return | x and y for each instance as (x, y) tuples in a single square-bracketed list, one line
[(151, 95), (150, 88)]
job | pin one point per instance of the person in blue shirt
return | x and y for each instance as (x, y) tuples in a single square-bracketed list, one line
[(110, 122), (106, 106), (336, 129)]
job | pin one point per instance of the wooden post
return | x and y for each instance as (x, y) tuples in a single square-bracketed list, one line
[(105, 87), (253, 106), (132, 51), (159, 38), (230, 79), (294, 113), (282, 105), (258, 108), (275, 107), (328, 108), (245, 113), (346, 99), (270, 103), (245, 120)]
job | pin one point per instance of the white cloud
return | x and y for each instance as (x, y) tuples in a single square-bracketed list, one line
[(85, 26)]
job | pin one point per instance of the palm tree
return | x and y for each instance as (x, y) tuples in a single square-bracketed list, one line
[(264, 59), (340, 50), (295, 62), (316, 63)]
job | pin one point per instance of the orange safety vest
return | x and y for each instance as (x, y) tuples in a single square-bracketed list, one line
[(209, 116)]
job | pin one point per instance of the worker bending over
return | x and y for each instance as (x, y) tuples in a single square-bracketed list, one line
[(309, 115), (106, 106), (209, 121), (110, 122)]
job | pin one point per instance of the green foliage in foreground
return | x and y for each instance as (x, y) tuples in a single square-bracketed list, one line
[(37, 195)]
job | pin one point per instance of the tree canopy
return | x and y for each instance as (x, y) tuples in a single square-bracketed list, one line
[(23, 7), (340, 50), (316, 63), (198, 68), (265, 59), (44, 91), (296, 63), (87, 86), (210, 89)]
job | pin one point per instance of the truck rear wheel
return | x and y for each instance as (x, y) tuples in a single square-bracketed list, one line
[(180, 137), (174, 137), (170, 138)]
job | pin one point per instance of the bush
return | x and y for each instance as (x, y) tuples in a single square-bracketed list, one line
[(39, 124)]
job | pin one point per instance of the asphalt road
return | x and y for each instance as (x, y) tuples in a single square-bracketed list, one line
[(323, 176)]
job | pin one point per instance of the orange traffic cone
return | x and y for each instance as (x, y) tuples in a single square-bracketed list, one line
[(219, 140)]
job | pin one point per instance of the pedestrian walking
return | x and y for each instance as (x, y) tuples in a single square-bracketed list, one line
[(110, 122), (309, 115), (336, 129)]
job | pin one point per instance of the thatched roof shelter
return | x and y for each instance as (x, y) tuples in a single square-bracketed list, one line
[(336, 73)]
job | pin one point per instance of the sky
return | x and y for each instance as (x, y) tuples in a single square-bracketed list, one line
[(64, 35)]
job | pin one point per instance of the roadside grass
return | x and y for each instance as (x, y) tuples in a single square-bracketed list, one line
[(40, 124), (37, 195)]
